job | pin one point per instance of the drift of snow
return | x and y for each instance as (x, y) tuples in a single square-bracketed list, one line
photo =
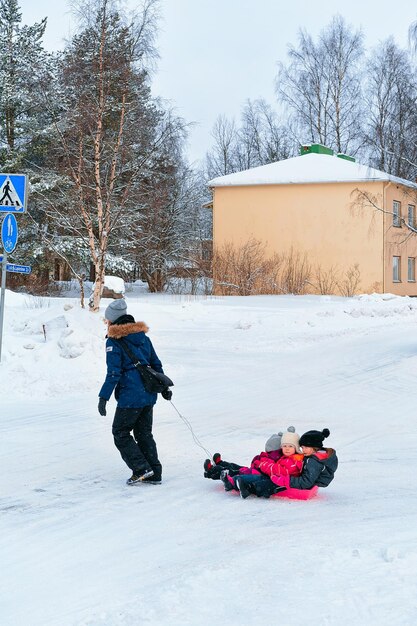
[(80, 548)]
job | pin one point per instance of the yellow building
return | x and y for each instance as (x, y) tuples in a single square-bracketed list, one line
[(337, 212)]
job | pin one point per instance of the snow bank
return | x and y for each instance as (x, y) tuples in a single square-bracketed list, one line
[(41, 331)]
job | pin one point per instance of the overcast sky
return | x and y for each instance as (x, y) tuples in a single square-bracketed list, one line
[(217, 53)]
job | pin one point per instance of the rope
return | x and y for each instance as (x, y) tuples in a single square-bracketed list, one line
[(196, 440)]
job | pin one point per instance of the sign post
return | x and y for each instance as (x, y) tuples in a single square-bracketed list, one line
[(13, 199), (3, 294)]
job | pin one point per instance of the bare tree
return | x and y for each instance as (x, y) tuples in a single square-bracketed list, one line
[(365, 201), (391, 94), (321, 86), (221, 160), (412, 36), (260, 138)]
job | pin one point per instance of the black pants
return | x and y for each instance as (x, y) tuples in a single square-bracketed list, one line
[(139, 453)]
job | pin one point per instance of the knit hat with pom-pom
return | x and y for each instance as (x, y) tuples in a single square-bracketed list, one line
[(292, 439), (314, 438), (274, 442)]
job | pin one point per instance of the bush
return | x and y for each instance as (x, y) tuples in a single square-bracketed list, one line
[(248, 270)]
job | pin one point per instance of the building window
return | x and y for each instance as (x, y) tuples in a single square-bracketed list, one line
[(396, 269), (411, 215), (411, 269), (396, 213)]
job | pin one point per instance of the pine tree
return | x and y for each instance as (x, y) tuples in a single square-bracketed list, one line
[(22, 64)]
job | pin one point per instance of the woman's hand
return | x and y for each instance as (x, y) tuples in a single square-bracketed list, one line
[(102, 406)]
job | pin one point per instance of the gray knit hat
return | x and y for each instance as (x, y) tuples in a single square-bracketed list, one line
[(116, 309), (274, 442)]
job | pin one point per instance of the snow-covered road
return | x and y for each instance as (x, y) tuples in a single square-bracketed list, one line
[(78, 547)]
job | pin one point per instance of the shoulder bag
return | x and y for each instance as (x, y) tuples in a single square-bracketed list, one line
[(153, 381)]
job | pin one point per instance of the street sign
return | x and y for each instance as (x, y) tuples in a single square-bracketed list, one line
[(9, 233), (13, 193), (18, 269)]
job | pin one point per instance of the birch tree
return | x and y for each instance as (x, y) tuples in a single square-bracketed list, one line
[(221, 159), (321, 86), (260, 138), (391, 93), (104, 131)]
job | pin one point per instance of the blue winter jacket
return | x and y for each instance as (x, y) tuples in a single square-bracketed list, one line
[(122, 376)]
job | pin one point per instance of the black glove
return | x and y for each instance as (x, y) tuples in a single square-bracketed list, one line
[(166, 393), (102, 406)]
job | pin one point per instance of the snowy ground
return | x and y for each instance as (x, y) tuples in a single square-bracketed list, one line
[(78, 547)]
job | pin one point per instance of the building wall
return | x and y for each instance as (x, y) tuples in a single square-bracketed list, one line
[(318, 219), (398, 241)]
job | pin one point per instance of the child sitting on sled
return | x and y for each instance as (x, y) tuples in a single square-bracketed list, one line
[(272, 452), (289, 463), (318, 468)]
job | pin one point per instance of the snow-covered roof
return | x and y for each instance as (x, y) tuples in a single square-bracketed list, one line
[(308, 168)]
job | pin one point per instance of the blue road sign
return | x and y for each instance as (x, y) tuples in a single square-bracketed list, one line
[(9, 233), (18, 269), (13, 193)]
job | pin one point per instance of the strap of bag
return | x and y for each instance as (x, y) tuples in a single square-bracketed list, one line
[(130, 354)]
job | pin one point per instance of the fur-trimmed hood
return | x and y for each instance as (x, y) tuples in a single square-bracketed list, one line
[(117, 331)]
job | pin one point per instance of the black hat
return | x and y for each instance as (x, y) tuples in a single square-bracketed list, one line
[(314, 438)]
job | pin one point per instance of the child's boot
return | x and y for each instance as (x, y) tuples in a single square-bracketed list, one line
[(243, 488), (207, 467), (224, 477)]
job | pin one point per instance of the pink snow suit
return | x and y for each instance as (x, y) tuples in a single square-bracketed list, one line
[(285, 466), (270, 457)]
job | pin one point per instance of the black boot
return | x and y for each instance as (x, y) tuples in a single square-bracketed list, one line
[(212, 471), (244, 488), (266, 488), (226, 482), (207, 467)]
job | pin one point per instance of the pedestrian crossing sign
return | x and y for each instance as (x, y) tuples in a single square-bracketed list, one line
[(13, 193)]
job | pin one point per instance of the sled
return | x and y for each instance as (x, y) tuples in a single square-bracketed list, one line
[(297, 494)]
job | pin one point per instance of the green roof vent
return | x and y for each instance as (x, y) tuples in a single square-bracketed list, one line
[(346, 157), (315, 148)]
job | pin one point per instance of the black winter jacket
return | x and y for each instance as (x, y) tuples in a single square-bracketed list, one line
[(318, 469)]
